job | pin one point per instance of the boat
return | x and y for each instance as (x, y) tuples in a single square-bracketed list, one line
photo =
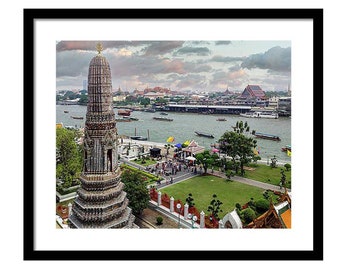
[(130, 118), (150, 110), (267, 136), (287, 147), (139, 138), (261, 114), (163, 113), (221, 119), (123, 120), (77, 117), (65, 111), (163, 118), (203, 134), (124, 112)]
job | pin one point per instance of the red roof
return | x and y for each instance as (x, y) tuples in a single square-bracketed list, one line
[(254, 91)]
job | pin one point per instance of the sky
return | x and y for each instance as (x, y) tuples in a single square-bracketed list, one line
[(180, 65)]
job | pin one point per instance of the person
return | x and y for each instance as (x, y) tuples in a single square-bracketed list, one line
[(171, 180)]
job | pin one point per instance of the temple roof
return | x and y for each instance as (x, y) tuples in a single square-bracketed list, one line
[(253, 91)]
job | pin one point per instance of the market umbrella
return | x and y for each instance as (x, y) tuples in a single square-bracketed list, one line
[(170, 139), (190, 158)]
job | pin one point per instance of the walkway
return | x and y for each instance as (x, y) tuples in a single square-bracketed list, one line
[(251, 182), (186, 174)]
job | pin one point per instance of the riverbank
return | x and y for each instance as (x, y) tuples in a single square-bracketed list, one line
[(151, 144)]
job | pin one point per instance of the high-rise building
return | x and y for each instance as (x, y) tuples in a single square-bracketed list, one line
[(84, 85), (101, 200)]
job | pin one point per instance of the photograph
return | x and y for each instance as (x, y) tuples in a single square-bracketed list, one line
[(107, 132), (154, 133)]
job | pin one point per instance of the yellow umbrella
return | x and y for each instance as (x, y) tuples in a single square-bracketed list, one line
[(170, 139)]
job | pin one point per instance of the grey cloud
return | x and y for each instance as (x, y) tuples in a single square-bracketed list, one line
[(68, 63), (91, 45), (223, 42), (226, 59), (202, 51), (234, 68), (162, 47), (276, 58)]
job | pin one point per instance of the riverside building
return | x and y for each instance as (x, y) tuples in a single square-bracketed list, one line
[(101, 201)]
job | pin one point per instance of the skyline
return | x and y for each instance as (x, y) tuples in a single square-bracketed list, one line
[(179, 65)]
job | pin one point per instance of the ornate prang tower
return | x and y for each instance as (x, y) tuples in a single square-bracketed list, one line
[(101, 201)]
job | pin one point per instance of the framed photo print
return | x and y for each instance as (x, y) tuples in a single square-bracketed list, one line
[(172, 134)]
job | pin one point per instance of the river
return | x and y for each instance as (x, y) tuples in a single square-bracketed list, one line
[(184, 125)]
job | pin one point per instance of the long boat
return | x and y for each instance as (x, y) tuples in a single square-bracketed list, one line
[(123, 120), (130, 118), (267, 136), (221, 119), (163, 118), (77, 117), (139, 138), (287, 147), (203, 134)]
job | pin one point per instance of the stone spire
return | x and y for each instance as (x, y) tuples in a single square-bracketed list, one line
[(101, 201)]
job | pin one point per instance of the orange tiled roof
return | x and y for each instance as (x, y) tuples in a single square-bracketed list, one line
[(287, 218)]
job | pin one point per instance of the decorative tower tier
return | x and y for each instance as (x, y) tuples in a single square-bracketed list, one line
[(101, 201)]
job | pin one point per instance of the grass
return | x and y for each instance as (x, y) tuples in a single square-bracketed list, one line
[(203, 187), (147, 162), (150, 178), (264, 172)]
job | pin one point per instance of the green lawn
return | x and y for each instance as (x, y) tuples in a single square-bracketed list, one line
[(203, 187), (147, 162), (263, 173)]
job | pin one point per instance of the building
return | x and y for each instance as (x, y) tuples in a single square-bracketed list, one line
[(284, 106), (253, 95), (101, 201)]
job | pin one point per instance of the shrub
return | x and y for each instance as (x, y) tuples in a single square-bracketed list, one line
[(248, 215), (262, 205), (288, 166), (159, 220), (238, 206)]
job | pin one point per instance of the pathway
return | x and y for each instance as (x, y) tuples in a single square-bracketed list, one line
[(185, 174)]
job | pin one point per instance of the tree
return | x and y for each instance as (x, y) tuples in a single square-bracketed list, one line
[(136, 190), (144, 101), (238, 146), (69, 153), (262, 205), (206, 159), (83, 99), (248, 215), (214, 207), (283, 181), (190, 200), (167, 147), (288, 166)]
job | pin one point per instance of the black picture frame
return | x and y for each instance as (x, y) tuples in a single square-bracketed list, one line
[(29, 17)]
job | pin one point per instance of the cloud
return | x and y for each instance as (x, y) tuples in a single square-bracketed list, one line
[(162, 47), (91, 45), (72, 63), (276, 59), (223, 42), (226, 59), (201, 51)]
